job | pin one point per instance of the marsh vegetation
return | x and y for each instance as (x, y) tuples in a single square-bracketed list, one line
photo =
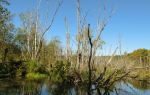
[(34, 66)]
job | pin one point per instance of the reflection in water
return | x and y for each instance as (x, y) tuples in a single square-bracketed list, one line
[(142, 84), (133, 87), (45, 87), (20, 87)]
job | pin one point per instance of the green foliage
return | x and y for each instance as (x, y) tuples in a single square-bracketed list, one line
[(20, 38), (35, 70), (32, 66), (140, 56), (53, 50), (8, 49), (60, 70), (11, 69), (6, 26), (36, 76)]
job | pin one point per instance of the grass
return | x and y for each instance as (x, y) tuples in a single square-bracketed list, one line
[(36, 76)]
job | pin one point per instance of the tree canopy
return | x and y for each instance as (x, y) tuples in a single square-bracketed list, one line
[(140, 55)]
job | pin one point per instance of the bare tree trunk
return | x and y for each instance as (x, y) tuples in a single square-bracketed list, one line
[(67, 40), (35, 44), (78, 35), (28, 44), (89, 62), (39, 45)]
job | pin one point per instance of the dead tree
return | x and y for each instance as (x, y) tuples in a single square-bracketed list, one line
[(68, 52), (35, 32), (90, 61), (46, 30), (78, 35)]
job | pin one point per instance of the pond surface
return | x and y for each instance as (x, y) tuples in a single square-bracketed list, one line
[(43, 87)]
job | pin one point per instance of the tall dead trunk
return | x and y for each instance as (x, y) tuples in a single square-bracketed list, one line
[(35, 37), (78, 35), (90, 61), (41, 38), (67, 40)]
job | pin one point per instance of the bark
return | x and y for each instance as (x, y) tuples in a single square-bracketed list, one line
[(89, 62), (78, 35), (67, 40)]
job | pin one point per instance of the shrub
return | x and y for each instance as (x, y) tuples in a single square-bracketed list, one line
[(60, 70), (32, 66)]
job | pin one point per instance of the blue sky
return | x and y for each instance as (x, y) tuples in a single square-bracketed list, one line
[(130, 23)]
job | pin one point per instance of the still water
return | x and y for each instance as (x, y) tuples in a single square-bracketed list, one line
[(44, 87)]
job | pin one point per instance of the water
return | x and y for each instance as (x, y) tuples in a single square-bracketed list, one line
[(133, 87), (45, 87)]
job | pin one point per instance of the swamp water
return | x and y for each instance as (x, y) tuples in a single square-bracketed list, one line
[(44, 87)]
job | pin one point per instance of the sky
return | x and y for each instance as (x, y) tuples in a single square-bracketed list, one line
[(130, 24)]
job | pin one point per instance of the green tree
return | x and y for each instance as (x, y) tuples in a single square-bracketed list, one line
[(53, 53), (140, 56), (7, 32)]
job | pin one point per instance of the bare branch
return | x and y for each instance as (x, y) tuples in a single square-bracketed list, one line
[(53, 18)]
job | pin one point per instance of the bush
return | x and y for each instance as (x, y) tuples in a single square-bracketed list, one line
[(60, 70), (32, 66)]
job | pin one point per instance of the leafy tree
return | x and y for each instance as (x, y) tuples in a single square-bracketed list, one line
[(140, 55), (53, 53), (7, 32)]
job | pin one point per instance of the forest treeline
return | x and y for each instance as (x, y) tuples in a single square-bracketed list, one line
[(24, 52), (141, 56)]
